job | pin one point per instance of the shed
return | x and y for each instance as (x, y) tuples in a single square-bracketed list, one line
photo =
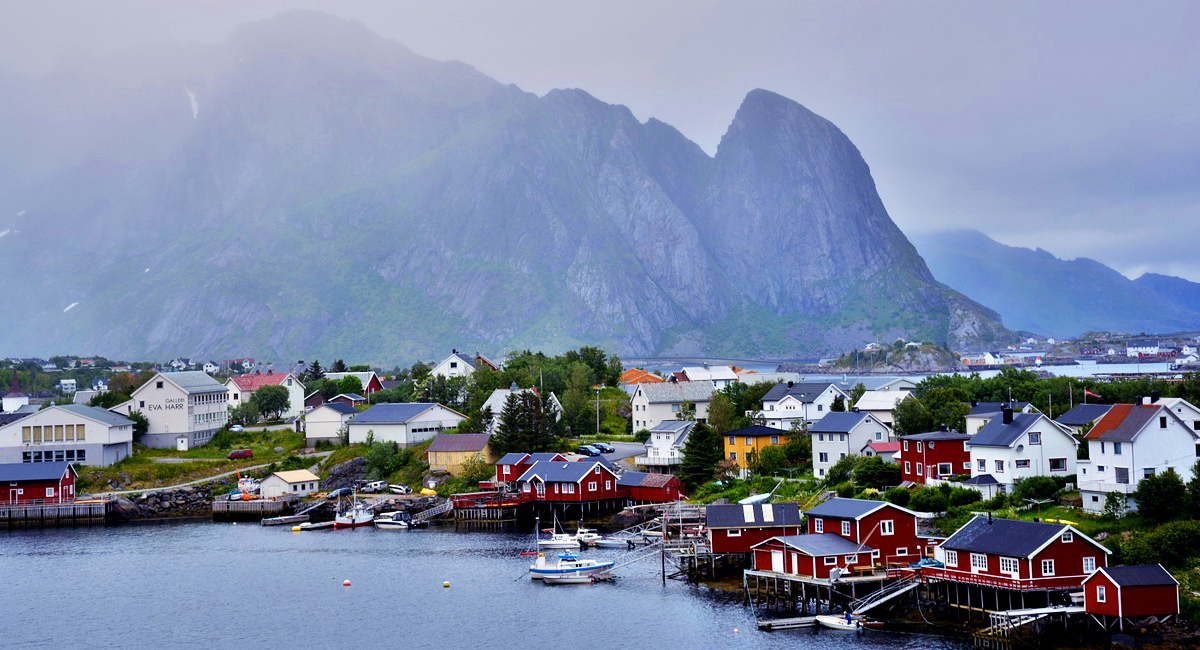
[(24, 482), (814, 555), (735, 528), (448, 451), (651, 488), (299, 482), (1131, 591)]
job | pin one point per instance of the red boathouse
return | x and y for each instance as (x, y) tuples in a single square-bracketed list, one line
[(37, 482), (736, 528), (1124, 592)]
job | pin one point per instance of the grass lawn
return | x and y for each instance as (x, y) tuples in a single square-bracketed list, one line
[(145, 473)]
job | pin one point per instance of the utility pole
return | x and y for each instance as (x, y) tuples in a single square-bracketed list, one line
[(597, 411)]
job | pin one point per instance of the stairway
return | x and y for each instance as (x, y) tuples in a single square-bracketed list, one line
[(426, 515), (898, 588)]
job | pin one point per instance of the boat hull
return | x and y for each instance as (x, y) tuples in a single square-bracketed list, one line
[(837, 623), (391, 525), (547, 543)]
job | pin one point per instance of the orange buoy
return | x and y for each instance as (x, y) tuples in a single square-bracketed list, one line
[(345, 583), (446, 585)]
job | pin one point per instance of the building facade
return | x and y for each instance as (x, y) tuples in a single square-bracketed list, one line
[(404, 424), (184, 409), (656, 402), (71, 433)]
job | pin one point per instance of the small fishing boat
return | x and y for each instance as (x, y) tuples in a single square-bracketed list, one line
[(316, 525), (613, 542), (558, 540), (354, 514), (838, 623), (567, 564)]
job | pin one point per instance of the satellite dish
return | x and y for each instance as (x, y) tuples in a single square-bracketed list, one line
[(1020, 448), (931, 445)]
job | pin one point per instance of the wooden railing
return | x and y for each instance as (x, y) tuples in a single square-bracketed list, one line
[(490, 499)]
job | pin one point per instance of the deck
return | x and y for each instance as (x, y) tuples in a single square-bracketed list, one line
[(54, 513)]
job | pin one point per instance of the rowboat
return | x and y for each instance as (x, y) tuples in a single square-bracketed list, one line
[(837, 623)]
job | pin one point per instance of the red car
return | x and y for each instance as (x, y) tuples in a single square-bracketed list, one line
[(240, 453)]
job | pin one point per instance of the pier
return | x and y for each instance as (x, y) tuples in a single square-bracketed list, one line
[(35, 514), (256, 509)]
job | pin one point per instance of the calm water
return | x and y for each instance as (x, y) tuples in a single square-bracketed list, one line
[(217, 586)]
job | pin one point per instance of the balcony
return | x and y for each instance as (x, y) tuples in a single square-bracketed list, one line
[(1105, 487), (656, 461)]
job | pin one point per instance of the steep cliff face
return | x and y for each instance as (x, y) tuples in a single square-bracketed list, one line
[(314, 190)]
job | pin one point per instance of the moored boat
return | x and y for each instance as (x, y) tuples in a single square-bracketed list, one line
[(354, 514), (558, 540), (837, 623), (567, 564), (613, 542)]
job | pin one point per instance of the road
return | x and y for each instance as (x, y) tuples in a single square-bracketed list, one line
[(208, 479), (624, 452)]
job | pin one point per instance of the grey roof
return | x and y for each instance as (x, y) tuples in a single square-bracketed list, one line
[(985, 408), (468, 360), (1142, 575), (459, 442), (194, 382), (644, 479), (982, 479), (83, 396), (937, 435), (97, 413), (820, 544), (344, 409), (670, 392), (391, 413), (755, 430), (869, 383), (512, 458), (734, 515), (1083, 414), (32, 471), (355, 397), (839, 422), (840, 508), (1124, 423), (803, 391), (681, 429), (998, 434), (1008, 537), (561, 472), (9, 418), (547, 456)]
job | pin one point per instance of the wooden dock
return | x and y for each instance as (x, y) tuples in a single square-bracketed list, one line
[(285, 519), (788, 623), (92, 512), (225, 510)]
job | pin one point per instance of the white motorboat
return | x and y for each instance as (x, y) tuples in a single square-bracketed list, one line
[(837, 623), (614, 542), (586, 536), (567, 565), (397, 520), (558, 540)]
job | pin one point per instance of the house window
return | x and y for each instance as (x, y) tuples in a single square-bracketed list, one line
[(979, 562), (1102, 450), (920, 446), (820, 437), (591, 486), (1089, 564), (49, 493), (846, 528), (732, 440), (1162, 422), (1058, 464), (878, 436), (608, 485), (774, 440), (905, 445), (1009, 565), (1035, 438), (920, 469), (525, 488), (504, 470), (830, 560), (1117, 448), (1101, 593), (569, 488), (982, 463), (823, 457), (556, 488), (820, 407), (1047, 567), (907, 467), (749, 442), (999, 467), (819, 525), (841, 437), (1021, 463), (951, 558), (1147, 472), (733, 455), (903, 550), (158, 384), (1068, 537), (966, 465), (734, 532), (887, 527)]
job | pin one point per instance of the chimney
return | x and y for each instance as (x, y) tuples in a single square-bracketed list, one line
[(854, 409), (944, 428), (974, 402), (1139, 400), (789, 384), (1008, 413), (1154, 395), (453, 350)]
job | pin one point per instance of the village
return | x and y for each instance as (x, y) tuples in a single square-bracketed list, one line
[(1018, 507)]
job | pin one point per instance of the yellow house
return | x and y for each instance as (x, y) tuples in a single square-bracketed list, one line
[(448, 451), (743, 444)]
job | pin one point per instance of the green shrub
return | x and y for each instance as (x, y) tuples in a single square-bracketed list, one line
[(845, 490), (1035, 487), (898, 495), (997, 502), (964, 496), (841, 470), (928, 500), (642, 436)]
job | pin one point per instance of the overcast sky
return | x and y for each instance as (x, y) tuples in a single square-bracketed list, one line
[(1073, 126)]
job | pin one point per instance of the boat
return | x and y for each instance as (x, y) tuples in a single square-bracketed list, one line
[(837, 623), (586, 536), (395, 520), (567, 564), (613, 542), (397, 488), (558, 540), (316, 525), (354, 514), (576, 578)]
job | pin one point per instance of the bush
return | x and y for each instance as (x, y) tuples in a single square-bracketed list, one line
[(964, 496), (1172, 545), (873, 472), (845, 490), (898, 495), (997, 502), (841, 470), (1035, 487), (1159, 497), (928, 500), (222, 439), (1115, 505), (642, 436)]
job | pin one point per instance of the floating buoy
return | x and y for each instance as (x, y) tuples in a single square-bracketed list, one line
[(446, 585), (736, 631), (345, 583), (296, 529)]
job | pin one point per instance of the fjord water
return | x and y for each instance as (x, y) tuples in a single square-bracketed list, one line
[(223, 586)]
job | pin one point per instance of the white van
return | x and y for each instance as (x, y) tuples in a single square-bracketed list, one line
[(374, 486)]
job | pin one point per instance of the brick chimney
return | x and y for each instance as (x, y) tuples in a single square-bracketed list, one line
[(1008, 413)]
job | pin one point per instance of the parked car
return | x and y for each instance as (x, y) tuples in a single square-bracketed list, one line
[(400, 488), (240, 453), (340, 492), (604, 447), (588, 450), (374, 486), (237, 428)]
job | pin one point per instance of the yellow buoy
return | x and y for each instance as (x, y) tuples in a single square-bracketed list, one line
[(296, 529), (446, 585)]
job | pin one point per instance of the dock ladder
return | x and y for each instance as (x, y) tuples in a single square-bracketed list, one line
[(894, 590), (426, 515)]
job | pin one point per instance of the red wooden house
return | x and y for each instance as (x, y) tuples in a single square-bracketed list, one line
[(23, 482), (815, 556), (313, 400), (736, 528), (1131, 592), (939, 454), (889, 530), (1019, 555), (640, 487), (349, 399), (513, 464), (569, 482)]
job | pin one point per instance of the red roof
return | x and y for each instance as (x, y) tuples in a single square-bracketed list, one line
[(251, 383), (884, 447), (1111, 420), (639, 376)]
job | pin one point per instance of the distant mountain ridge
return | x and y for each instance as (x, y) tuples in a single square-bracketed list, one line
[(1038, 292), (308, 188)]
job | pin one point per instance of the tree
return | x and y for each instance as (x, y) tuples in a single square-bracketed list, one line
[(857, 392), (701, 453), (577, 409), (1035, 487), (475, 469), (770, 460), (507, 437), (928, 500), (642, 436), (349, 385), (524, 425), (873, 472), (419, 371), (1115, 505), (897, 495), (1193, 493), (126, 383), (362, 367), (687, 411), (838, 405), (339, 366), (613, 377), (271, 401), (910, 417), (799, 445), (244, 414), (314, 372), (108, 399), (841, 470), (382, 459), (721, 413), (947, 407), (1158, 497), (140, 424)]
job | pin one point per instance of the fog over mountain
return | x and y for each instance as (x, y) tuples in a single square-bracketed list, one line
[(307, 188), (1038, 292)]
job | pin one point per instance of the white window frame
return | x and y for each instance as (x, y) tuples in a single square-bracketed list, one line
[(591, 486), (979, 562), (830, 560), (1010, 565), (819, 525), (903, 550), (734, 532), (905, 445), (951, 558), (851, 560), (907, 467), (887, 527), (846, 528), (1047, 564), (1068, 537), (1101, 594), (49, 493), (1089, 564), (920, 469)]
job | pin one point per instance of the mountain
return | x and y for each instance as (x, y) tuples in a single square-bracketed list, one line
[(309, 189), (1177, 291), (1039, 292)]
